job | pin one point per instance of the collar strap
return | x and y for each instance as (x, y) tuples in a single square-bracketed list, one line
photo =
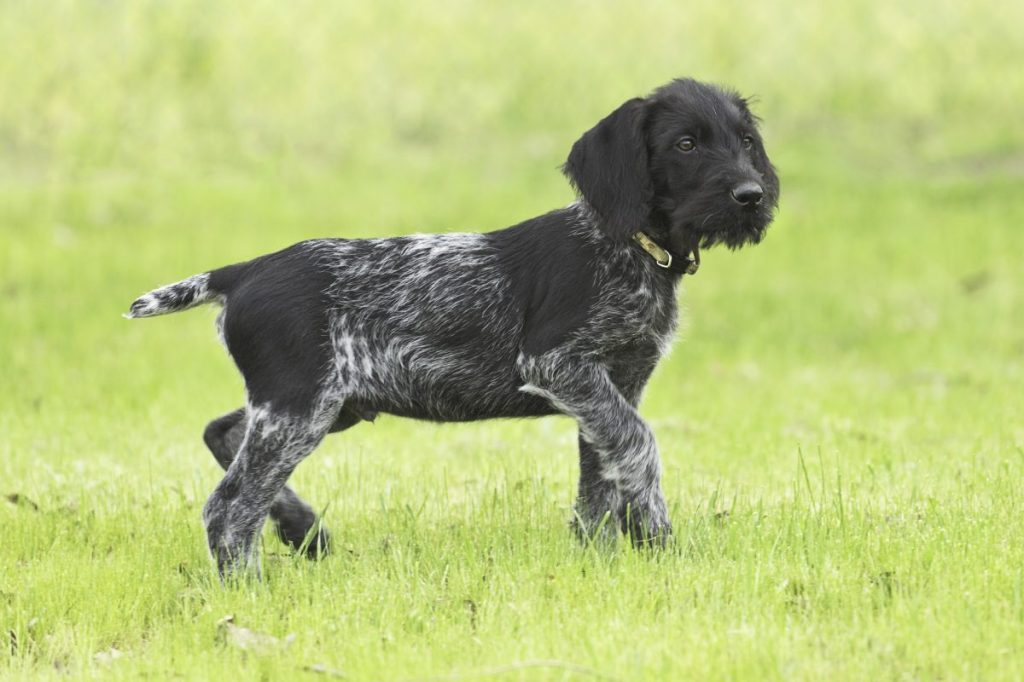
[(664, 259)]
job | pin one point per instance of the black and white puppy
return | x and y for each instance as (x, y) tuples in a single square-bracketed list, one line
[(565, 313)]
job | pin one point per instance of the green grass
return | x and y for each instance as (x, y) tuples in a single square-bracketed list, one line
[(840, 420)]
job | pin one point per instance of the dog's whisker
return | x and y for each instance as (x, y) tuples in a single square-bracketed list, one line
[(706, 219)]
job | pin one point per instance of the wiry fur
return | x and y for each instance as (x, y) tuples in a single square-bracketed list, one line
[(563, 313), (173, 298)]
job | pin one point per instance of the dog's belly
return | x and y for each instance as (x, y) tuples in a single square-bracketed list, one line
[(449, 387), (441, 408)]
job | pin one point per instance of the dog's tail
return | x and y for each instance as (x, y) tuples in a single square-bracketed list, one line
[(172, 298)]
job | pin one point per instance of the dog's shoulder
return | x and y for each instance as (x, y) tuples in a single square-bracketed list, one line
[(548, 262), (575, 286)]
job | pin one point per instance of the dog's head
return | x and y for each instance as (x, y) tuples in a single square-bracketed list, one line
[(686, 162)]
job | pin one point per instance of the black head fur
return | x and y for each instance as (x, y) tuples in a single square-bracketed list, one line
[(633, 173)]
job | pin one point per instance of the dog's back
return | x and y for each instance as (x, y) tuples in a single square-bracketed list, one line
[(423, 326)]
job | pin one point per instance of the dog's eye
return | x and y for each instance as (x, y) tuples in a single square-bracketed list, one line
[(748, 141), (686, 144)]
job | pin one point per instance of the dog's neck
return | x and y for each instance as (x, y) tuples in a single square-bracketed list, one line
[(665, 259), (654, 239)]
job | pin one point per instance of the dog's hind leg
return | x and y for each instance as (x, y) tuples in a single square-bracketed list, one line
[(293, 518), (223, 436), (275, 442)]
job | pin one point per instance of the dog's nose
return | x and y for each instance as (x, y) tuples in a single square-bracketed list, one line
[(747, 193)]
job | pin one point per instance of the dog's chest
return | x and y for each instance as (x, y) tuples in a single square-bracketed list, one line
[(663, 320), (638, 312)]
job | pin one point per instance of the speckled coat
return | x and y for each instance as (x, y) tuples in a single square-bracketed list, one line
[(563, 313)]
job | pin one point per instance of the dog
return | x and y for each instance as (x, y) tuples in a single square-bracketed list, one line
[(566, 313)]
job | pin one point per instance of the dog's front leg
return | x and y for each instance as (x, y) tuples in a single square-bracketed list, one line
[(598, 502), (624, 450)]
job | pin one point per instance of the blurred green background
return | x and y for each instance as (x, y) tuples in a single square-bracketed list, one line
[(145, 141), (877, 331)]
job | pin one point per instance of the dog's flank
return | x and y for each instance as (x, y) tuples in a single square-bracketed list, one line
[(563, 313)]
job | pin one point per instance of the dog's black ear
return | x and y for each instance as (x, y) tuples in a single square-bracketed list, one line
[(743, 104), (608, 166)]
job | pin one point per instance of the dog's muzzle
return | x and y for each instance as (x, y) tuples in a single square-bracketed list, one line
[(747, 193)]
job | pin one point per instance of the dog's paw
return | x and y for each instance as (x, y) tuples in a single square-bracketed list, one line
[(599, 531), (237, 564), (311, 540), (595, 518), (645, 520), (231, 538), (298, 526)]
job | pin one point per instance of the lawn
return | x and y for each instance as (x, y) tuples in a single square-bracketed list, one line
[(841, 420)]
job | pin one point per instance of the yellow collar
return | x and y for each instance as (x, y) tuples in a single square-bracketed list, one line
[(663, 258)]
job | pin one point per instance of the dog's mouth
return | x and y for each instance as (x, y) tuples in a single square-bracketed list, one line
[(733, 227)]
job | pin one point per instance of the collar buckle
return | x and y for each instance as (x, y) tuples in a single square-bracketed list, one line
[(663, 258), (692, 263)]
